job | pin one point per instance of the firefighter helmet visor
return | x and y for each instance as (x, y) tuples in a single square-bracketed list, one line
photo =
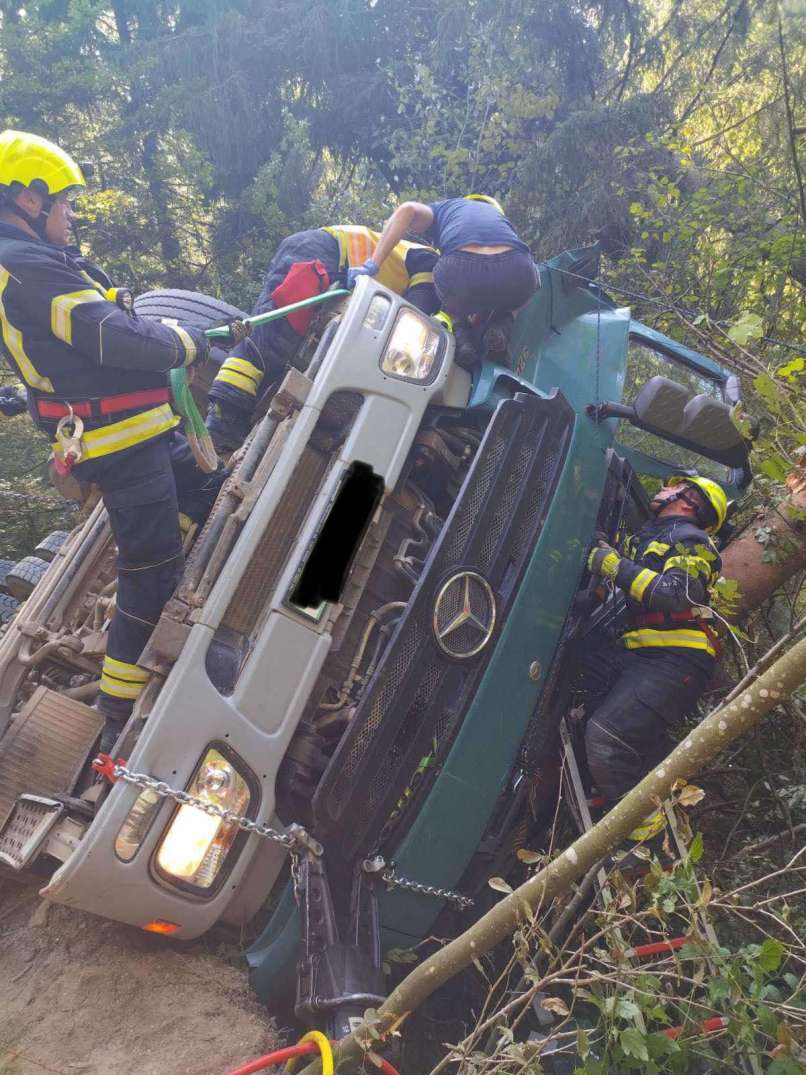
[(714, 506)]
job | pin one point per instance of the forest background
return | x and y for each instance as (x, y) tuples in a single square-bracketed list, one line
[(670, 131)]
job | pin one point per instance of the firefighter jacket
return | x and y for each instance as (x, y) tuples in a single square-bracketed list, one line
[(408, 266), (265, 352), (70, 344), (666, 575)]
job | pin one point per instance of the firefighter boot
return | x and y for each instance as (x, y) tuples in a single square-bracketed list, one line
[(466, 354), (497, 337), (228, 426)]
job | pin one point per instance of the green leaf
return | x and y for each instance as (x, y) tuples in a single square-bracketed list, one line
[(627, 1009), (747, 327), (633, 1043), (785, 1066), (695, 850), (790, 370), (774, 468), (769, 1024), (771, 955)]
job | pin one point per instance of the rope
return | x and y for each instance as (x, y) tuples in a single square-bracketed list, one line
[(195, 430)]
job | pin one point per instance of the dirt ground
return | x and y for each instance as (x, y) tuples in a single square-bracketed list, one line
[(83, 996)]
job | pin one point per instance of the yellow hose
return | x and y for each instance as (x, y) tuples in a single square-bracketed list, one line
[(325, 1051)]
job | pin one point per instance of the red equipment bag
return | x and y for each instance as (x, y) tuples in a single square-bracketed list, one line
[(303, 280)]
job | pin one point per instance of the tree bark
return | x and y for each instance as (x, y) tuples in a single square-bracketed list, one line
[(716, 732), (743, 558)]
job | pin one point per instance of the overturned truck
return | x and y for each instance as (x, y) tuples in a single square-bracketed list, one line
[(356, 689)]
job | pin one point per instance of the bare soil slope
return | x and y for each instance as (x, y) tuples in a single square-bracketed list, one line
[(80, 996)]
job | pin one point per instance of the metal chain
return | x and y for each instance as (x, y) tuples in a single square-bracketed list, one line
[(294, 838), (394, 881)]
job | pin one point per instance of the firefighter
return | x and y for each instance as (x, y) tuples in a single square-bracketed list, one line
[(484, 270), (86, 359), (305, 264), (635, 690)]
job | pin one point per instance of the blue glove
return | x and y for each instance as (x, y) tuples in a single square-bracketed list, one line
[(369, 268)]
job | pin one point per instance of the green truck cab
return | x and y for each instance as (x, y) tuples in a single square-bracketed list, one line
[(362, 666)]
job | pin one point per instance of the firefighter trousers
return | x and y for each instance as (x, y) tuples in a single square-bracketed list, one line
[(632, 698), (144, 489)]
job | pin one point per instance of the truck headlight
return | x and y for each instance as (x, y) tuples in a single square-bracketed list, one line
[(196, 843), (413, 351)]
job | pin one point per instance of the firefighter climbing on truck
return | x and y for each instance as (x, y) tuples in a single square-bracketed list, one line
[(634, 690), (305, 264), (97, 384), (485, 271)]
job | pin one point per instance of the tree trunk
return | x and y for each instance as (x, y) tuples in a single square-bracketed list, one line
[(784, 545), (716, 732)]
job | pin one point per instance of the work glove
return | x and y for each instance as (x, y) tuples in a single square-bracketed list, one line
[(202, 345), (12, 401), (369, 268), (603, 560), (237, 331)]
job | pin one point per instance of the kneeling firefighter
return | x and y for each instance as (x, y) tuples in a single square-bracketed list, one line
[(92, 365), (635, 689), (305, 264)]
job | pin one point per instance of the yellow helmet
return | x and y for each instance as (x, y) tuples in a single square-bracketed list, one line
[(28, 160), (715, 497), (485, 198)]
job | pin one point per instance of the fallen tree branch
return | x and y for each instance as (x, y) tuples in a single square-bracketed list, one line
[(705, 742), (760, 845)]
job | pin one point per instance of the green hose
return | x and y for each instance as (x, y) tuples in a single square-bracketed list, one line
[(195, 430), (274, 315)]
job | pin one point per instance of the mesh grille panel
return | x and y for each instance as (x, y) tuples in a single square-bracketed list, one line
[(415, 703), (476, 495), (269, 557), (268, 560), (391, 682)]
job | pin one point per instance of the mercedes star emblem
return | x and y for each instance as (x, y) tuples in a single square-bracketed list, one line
[(464, 615)]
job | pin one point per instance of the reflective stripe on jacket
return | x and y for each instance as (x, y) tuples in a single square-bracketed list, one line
[(67, 341), (666, 575), (408, 264)]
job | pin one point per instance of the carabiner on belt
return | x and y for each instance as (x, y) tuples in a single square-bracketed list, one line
[(68, 434)]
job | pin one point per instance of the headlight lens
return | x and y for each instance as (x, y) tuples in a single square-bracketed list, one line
[(196, 843), (413, 349)]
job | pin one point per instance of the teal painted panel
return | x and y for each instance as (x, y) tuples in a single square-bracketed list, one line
[(446, 833), (272, 957)]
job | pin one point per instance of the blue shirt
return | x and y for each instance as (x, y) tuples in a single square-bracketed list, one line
[(459, 222)]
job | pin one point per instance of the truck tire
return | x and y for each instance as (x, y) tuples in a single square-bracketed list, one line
[(8, 607), (189, 307), (50, 545), (23, 577), (5, 567)]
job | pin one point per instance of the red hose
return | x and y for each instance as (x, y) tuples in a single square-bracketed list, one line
[(288, 1054), (275, 1058)]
